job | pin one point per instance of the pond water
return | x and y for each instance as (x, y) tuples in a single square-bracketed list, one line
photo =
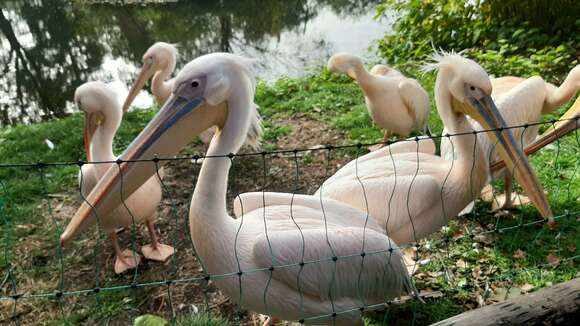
[(50, 47)]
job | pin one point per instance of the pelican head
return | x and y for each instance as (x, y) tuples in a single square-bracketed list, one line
[(345, 63), (99, 103), (212, 90), (467, 87), (160, 57)]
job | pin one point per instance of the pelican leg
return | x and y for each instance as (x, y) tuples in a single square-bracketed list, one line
[(126, 259), (156, 251), (386, 136), (508, 203)]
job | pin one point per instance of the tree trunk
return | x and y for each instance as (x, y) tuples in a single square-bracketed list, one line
[(556, 305)]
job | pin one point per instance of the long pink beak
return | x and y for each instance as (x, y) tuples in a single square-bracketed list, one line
[(177, 122)]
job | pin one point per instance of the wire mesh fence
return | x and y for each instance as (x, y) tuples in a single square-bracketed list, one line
[(472, 261)]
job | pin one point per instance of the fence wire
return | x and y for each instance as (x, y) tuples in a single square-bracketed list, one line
[(41, 282)]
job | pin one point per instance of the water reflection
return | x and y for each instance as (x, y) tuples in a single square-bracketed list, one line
[(49, 47)]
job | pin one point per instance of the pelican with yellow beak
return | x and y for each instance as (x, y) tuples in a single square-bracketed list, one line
[(520, 101), (102, 119)]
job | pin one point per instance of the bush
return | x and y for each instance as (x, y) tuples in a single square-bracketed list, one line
[(520, 44)]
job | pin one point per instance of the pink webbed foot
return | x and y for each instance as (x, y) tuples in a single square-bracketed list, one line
[(126, 261), (158, 253)]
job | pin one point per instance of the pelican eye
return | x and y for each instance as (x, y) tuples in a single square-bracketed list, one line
[(472, 88), (194, 83)]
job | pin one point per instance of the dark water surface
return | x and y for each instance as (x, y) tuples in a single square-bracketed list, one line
[(49, 47)]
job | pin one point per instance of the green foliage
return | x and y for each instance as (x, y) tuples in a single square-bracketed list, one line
[(203, 319), (150, 320), (502, 43), (315, 95)]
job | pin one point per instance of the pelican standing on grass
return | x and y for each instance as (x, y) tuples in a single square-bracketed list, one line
[(395, 103), (520, 101), (278, 259), (102, 119), (411, 191)]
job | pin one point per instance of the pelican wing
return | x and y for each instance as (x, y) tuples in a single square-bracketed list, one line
[(301, 207), (381, 161), (381, 273), (416, 100)]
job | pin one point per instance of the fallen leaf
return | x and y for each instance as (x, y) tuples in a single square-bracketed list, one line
[(520, 254), (553, 260), (484, 238), (461, 264), (571, 247), (458, 234), (480, 301), (526, 287), (476, 273)]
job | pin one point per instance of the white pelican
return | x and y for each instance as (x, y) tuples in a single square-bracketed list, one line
[(411, 191), (396, 103), (102, 119), (520, 101), (158, 65), (262, 252)]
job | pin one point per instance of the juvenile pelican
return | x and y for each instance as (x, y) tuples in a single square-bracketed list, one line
[(413, 192), (396, 103), (102, 119), (520, 101), (272, 256)]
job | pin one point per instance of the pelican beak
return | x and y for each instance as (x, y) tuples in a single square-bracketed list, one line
[(486, 113), (144, 75), (567, 124), (92, 122), (178, 121)]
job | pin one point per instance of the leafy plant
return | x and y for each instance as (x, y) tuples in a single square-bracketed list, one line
[(517, 44)]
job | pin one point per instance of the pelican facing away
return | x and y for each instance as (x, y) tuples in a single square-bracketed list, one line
[(520, 101), (264, 250), (102, 119), (411, 191), (396, 103)]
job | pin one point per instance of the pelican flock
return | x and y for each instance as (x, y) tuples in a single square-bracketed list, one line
[(408, 189), (314, 258)]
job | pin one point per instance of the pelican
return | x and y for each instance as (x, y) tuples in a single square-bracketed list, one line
[(411, 191), (158, 65), (292, 261), (102, 119), (396, 103), (520, 101)]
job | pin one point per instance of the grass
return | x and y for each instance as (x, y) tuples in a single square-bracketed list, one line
[(464, 270)]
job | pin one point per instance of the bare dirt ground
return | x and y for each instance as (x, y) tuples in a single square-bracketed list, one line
[(40, 268)]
